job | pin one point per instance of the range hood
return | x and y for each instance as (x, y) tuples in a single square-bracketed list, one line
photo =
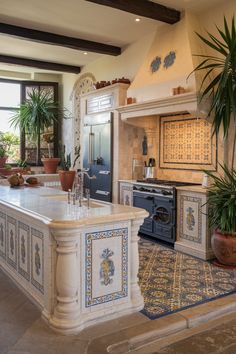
[(153, 91)]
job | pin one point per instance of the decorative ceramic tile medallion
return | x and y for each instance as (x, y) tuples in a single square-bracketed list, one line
[(2, 235), (106, 266), (37, 259), (24, 250), (155, 64), (11, 242), (190, 218), (187, 143), (169, 59)]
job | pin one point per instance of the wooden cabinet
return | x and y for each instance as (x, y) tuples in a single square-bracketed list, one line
[(193, 234), (126, 193)]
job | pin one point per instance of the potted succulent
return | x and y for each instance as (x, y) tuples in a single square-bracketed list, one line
[(222, 93), (67, 172), (38, 113)]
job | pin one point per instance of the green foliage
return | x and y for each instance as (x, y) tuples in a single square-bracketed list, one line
[(8, 142), (37, 113), (222, 89), (66, 158), (22, 163), (222, 201)]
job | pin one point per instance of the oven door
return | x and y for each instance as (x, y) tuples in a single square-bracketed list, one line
[(145, 201), (164, 219)]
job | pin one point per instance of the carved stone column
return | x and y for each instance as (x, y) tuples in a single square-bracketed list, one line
[(66, 312), (136, 297)]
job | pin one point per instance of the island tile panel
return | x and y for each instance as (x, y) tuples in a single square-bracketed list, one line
[(106, 266), (24, 250), (37, 259), (12, 242), (2, 235)]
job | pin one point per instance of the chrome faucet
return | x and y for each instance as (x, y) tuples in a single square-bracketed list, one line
[(80, 192)]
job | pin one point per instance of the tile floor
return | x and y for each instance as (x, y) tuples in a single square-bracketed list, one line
[(23, 332)]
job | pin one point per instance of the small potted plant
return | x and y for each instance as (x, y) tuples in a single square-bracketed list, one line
[(67, 172), (50, 163)]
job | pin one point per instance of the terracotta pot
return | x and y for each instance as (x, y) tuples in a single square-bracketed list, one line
[(224, 247), (3, 161), (50, 164), (67, 179)]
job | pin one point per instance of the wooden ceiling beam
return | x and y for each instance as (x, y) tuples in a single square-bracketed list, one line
[(143, 8), (59, 40), (39, 64)]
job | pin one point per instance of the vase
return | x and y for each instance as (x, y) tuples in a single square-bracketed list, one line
[(50, 164), (224, 247), (66, 179)]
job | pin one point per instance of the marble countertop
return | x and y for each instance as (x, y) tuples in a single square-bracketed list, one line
[(51, 207)]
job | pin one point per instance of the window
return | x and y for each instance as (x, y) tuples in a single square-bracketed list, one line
[(12, 94)]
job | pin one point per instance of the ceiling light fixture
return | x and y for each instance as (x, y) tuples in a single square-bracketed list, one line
[(85, 53), (137, 20)]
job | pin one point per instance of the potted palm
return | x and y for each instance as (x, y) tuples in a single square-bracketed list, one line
[(67, 171), (37, 113), (222, 93)]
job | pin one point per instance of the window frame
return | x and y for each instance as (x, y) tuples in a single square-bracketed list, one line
[(23, 87)]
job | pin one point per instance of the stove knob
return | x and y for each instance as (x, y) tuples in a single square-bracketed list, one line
[(165, 192)]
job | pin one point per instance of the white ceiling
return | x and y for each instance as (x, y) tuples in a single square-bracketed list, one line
[(77, 18)]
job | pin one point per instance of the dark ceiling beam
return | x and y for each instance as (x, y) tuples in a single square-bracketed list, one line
[(59, 40), (143, 8), (39, 64)]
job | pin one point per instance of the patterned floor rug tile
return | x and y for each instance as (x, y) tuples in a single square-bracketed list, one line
[(171, 281)]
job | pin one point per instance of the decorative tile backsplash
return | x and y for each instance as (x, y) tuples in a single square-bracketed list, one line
[(186, 143)]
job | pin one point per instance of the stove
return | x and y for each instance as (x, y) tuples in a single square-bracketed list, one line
[(158, 197), (162, 182)]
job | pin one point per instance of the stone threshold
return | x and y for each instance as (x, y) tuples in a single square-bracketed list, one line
[(164, 330)]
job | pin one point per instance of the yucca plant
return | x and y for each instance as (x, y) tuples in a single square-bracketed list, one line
[(37, 113), (222, 88), (222, 92), (222, 201)]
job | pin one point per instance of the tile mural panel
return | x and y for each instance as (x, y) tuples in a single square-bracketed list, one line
[(12, 242), (106, 266), (2, 235), (24, 250), (37, 259), (187, 143), (190, 218)]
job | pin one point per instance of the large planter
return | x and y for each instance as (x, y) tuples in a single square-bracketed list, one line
[(224, 247), (3, 161), (67, 179), (50, 164)]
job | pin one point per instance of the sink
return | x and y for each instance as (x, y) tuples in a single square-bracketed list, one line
[(64, 198)]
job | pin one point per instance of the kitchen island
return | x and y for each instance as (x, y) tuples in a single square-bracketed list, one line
[(78, 264)]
